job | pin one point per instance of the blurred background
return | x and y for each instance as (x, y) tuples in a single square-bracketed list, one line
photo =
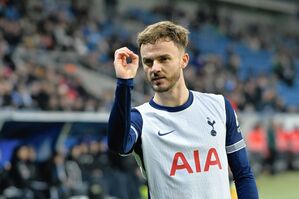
[(57, 85)]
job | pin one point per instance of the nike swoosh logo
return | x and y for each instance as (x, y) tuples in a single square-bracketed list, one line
[(162, 134)]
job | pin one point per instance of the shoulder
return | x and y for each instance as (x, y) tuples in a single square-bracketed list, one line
[(143, 107), (210, 98)]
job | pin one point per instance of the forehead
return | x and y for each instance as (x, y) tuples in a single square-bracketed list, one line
[(158, 48)]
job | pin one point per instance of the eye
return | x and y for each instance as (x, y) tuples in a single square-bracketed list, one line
[(148, 62), (163, 59)]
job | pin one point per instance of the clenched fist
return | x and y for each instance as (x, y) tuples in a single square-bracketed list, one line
[(123, 68)]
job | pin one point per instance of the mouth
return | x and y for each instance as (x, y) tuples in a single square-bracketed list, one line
[(157, 78)]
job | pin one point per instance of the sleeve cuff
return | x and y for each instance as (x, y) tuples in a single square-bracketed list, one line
[(235, 147), (125, 82)]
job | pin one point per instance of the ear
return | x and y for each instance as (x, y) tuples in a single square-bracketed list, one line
[(185, 60)]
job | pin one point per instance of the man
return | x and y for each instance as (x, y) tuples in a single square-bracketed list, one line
[(183, 140)]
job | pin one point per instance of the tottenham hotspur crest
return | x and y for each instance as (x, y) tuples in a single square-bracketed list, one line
[(211, 123)]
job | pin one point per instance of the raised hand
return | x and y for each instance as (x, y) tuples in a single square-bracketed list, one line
[(123, 68)]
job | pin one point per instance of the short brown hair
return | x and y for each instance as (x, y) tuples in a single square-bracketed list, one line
[(164, 30)]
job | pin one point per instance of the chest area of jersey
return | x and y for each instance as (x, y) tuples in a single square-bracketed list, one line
[(178, 130), (185, 143)]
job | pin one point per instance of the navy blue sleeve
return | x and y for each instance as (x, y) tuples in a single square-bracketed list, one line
[(243, 176), (234, 139), (136, 127), (237, 157), (121, 134)]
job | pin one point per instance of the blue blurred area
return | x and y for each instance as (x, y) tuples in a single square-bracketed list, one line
[(42, 136), (290, 95), (6, 149)]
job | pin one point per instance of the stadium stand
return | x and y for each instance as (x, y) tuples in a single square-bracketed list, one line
[(214, 43), (56, 58)]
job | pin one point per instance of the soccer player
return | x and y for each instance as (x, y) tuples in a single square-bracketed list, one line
[(183, 140)]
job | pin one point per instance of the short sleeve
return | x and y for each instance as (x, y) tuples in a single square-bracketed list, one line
[(234, 139)]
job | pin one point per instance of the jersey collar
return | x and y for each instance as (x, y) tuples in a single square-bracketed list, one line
[(173, 109)]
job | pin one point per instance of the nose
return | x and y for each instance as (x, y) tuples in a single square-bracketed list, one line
[(156, 67)]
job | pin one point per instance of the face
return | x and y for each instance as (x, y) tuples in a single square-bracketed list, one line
[(163, 63)]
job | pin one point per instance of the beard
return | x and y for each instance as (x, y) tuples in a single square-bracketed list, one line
[(165, 84)]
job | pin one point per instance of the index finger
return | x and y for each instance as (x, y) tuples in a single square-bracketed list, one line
[(124, 50)]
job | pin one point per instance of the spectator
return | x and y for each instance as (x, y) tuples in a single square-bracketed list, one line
[(75, 179), (57, 177), (257, 147), (271, 144)]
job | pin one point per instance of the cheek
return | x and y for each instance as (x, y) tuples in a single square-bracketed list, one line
[(146, 71)]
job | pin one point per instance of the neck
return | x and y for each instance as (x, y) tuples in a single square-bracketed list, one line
[(172, 98)]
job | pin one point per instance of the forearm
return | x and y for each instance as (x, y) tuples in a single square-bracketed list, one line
[(243, 176), (119, 120)]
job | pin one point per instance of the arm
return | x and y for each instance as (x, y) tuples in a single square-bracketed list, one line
[(121, 137), (124, 124), (237, 157), (243, 176)]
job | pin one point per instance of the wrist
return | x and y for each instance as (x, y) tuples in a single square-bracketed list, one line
[(125, 82)]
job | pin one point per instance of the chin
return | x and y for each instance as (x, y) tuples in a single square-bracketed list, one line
[(160, 89)]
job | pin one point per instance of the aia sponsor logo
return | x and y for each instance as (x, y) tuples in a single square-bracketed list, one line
[(195, 165)]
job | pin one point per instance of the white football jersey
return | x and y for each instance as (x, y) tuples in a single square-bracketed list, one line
[(183, 150)]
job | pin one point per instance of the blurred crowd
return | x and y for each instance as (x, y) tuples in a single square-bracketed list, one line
[(34, 87), (27, 84), (69, 26), (85, 170), (273, 148)]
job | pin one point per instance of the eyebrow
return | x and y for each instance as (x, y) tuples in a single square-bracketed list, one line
[(155, 57)]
